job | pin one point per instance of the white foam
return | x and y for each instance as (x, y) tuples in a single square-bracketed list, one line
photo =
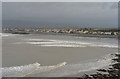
[(39, 43), (71, 69), (22, 71), (40, 40), (58, 44), (64, 43), (109, 46), (19, 71), (56, 70), (74, 42), (6, 34)]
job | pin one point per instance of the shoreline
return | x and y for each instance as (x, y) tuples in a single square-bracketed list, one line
[(110, 73), (113, 73), (82, 35)]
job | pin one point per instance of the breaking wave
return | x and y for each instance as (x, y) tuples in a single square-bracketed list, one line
[(56, 70), (63, 43), (71, 69), (19, 70), (5, 34)]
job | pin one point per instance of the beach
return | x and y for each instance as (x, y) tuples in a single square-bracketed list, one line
[(80, 53)]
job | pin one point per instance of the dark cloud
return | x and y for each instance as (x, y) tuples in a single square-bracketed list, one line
[(61, 14)]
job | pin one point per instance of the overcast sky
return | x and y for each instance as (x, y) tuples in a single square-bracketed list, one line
[(59, 0), (60, 14)]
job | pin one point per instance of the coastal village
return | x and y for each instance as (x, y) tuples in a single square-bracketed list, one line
[(94, 31)]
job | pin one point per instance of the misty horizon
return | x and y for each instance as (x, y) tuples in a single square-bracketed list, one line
[(60, 14)]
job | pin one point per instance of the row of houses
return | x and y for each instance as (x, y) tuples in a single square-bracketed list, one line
[(68, 31)]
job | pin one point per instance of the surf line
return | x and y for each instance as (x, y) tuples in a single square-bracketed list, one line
[(36, 67), (109, 62), (62, 64), (56, 66)]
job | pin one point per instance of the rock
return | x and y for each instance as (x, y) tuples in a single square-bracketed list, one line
[(102, 70), (85, 76), (116, 65), (115, 60)]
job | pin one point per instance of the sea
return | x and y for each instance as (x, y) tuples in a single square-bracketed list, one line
[(55, 55)]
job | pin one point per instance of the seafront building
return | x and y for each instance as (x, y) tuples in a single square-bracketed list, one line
[(64, 30)]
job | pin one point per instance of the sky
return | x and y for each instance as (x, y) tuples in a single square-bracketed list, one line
[(60, 14), (59, 0)]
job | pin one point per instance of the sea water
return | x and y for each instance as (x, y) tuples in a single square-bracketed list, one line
[(60, 41)]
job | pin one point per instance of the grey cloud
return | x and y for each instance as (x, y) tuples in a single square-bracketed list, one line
[(88, 14)]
